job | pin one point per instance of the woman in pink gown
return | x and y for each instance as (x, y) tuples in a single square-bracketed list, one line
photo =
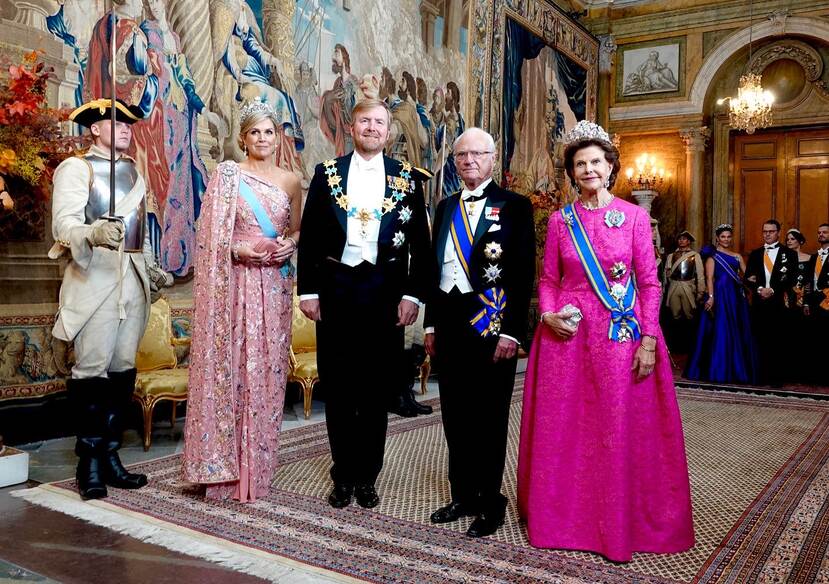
[(602, 462), (242, 292)]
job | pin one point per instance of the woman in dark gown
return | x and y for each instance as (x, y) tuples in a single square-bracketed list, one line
[(794, 302), (725, 350)]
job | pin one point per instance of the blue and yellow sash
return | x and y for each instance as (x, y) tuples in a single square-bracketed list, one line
[(488, 320), (623, 323), (265, 223), (462, 237), (494, 300)]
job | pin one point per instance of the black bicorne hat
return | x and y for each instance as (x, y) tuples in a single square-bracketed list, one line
[(99, 110)]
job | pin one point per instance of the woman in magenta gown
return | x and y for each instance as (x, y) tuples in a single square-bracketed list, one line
[(602, 462)]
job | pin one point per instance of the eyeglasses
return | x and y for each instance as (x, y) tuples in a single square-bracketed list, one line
[(475, 154)]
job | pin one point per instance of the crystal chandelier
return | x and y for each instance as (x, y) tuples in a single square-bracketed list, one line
[(751, 109)]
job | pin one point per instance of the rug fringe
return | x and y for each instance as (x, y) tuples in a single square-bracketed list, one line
[(177, 540)]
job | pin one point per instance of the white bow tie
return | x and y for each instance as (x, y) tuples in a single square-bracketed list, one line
[(472, 195), (375, 163), (823, 252)]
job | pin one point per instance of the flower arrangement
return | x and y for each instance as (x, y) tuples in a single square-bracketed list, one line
[(31, 141)]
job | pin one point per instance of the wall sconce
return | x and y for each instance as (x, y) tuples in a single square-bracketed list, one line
[(646, 179), (647, 176)]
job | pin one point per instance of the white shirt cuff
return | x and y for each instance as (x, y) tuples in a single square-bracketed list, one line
[(429, 330), (309, 297), (503, 336), (412, 299)]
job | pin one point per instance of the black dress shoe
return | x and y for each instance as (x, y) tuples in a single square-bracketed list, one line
[(400, 407), (451, 512), (485, 524), (341, 496), (366, 496), (412, 404)]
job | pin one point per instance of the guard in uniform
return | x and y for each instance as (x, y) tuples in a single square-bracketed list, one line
[(105, 295), (685, 283)]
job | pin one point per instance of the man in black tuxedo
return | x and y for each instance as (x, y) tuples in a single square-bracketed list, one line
[(484, 246), (769, 275), (816, 308), (362, 270)]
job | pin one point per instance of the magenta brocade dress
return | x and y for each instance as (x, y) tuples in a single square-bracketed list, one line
[(237, 380), (602, 463)]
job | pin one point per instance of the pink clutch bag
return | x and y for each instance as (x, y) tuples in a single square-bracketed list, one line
[(266, 245)]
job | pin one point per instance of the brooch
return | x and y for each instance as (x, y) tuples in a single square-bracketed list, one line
[(398, 239), (568, 219), (493, 250), (614, 218), (405, 214), (492, 273), (618, 270)]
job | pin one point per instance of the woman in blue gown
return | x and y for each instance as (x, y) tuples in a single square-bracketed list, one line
[(725, 351)]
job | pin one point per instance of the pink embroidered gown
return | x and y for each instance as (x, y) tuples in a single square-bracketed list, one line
[(602, 463), (239, 359)]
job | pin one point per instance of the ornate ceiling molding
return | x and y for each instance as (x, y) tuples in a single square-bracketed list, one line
[(797, 51)]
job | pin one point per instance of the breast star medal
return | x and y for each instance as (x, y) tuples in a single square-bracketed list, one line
[(614, 218), (618, 270), (492, 273), (617, 291), (398, 239), (492, 251)]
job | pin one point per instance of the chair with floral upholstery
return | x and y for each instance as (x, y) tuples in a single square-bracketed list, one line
[(303, 355), (159, 378)]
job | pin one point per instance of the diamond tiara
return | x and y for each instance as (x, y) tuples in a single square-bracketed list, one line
[(727, 226), (253, 107), (585, 130)]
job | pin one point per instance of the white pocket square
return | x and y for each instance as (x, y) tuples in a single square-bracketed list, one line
[(493, 228)]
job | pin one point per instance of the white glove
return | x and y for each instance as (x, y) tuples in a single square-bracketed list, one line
[(158, 278), (107, 233)]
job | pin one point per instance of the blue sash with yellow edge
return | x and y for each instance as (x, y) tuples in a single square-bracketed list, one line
[(618, 298), (265, 223), (494, 300)]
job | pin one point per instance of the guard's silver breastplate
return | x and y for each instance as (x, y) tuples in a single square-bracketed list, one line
[(98, 204), (686, 270)]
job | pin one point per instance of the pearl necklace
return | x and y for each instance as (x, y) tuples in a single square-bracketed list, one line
[(592, 207)]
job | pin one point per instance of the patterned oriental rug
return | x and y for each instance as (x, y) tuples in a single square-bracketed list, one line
[(759, 477)]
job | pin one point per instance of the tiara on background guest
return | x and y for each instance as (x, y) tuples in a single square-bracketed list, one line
[(255, 106), (585, 130)]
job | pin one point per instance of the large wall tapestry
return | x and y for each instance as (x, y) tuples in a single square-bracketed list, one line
[(189, 63), (533, 75)]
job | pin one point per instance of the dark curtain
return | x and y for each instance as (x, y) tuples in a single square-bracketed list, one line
[(521, 45), (573, 79)]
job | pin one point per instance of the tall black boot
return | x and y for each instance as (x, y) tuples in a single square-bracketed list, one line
[(86, 396), (122, 384)]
